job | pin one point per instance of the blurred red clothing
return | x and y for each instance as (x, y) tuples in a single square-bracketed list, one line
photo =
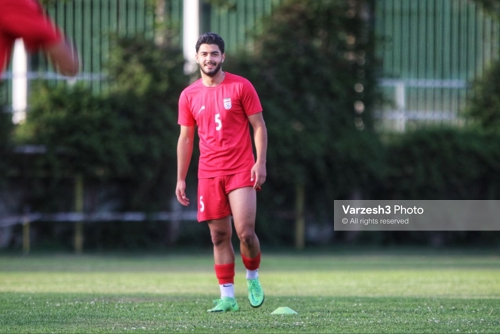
[(24, 19)]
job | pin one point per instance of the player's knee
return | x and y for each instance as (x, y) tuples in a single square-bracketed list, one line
[(220, 237), (247, 237)]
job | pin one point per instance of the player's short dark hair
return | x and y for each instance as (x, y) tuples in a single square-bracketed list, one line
[(210, 38)]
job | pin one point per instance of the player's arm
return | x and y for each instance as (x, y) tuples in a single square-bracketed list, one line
[(185, 146), (64, 58), (259, 171)]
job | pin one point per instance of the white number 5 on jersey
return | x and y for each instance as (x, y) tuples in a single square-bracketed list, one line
[(218, 122)]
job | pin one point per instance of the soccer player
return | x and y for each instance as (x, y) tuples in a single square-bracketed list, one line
[(223, 106), (25, 19)]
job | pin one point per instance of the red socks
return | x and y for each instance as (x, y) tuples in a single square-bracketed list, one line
[(225, 273), (251, 264)]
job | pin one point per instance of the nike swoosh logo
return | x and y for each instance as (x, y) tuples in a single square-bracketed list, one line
[(201, 109)]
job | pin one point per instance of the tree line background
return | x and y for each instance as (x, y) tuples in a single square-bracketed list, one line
[(322, 143)]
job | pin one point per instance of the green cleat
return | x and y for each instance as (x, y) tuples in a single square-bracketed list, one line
[(225, 304), (255, 292)]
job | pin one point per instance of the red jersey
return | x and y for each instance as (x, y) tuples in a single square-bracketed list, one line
[(221, 114), (24, 19)]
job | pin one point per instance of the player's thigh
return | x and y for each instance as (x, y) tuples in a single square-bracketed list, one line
[(220, 229), (243, 202)]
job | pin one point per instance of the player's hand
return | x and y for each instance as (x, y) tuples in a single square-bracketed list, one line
[(65, 58), (258, 175), (180, 192)]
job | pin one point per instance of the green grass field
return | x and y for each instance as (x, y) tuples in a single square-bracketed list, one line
[(356, 292)]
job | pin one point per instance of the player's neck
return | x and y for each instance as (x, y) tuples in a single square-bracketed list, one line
[(212, 81)]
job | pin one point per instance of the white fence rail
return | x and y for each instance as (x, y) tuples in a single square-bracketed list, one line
[(436, 101)]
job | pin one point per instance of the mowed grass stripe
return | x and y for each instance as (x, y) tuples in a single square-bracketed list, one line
[(374, 283), (342, 275), (270, 262)]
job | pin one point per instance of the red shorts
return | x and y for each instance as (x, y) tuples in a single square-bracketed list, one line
[(213, 202)]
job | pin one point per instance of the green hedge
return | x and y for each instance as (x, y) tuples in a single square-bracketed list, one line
[(437, 164), (444, 164), (429, 164), (127, 132)]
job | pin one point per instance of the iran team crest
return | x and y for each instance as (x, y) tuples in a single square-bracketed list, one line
[(227, 103)]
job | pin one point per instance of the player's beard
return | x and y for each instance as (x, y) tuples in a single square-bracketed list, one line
[(213, 71)]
